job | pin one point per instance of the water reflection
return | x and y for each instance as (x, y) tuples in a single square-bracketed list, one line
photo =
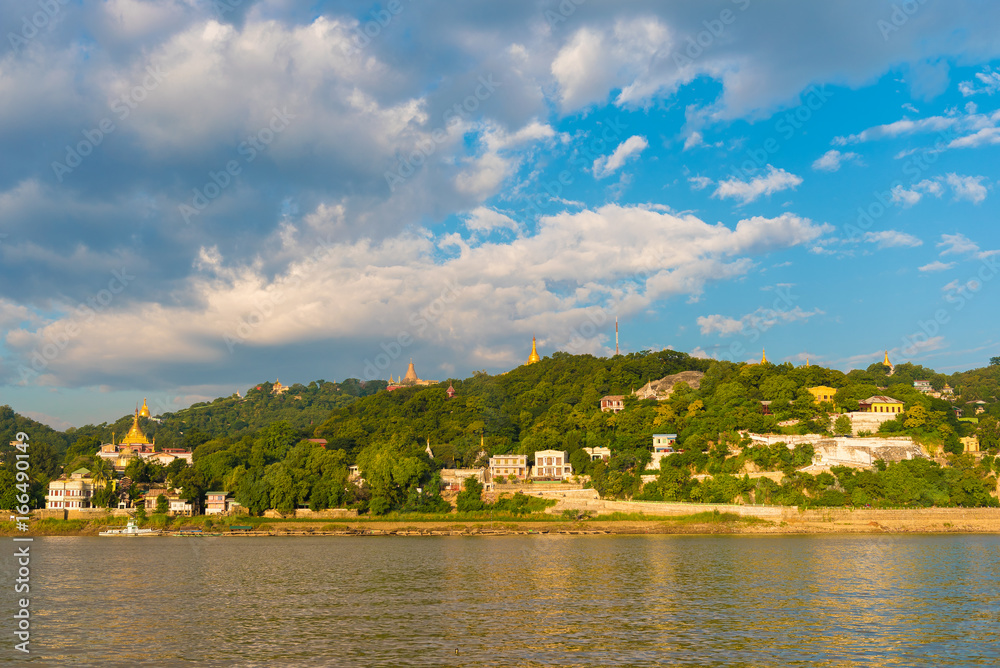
[(518, 600)]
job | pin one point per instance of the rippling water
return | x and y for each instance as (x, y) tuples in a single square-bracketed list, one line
[(514, 600)]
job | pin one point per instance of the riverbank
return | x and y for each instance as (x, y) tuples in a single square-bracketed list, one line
[(871, 521)]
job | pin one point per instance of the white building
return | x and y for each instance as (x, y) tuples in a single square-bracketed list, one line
[(551, 464), (72, 491), (663, 446)]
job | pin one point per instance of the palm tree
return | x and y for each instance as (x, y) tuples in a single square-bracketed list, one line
[(102, 472)]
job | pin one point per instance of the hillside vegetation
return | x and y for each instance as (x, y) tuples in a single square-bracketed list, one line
[(255, 446)]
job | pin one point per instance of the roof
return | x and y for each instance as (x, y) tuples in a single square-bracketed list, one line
[(614, 396), (666, 435), (880, 399)]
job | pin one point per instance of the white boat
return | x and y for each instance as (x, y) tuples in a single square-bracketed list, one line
[(131, 529)]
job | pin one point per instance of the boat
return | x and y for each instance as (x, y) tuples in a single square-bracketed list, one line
[(131, 529)]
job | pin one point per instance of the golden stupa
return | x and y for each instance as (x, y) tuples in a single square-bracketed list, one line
[(144, 411), (763, 356), (533, 357), (135, 436)]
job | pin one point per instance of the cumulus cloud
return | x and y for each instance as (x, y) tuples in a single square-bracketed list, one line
[(833, 159), (621, 258), (775, 180), (968, 188), (607, 165)]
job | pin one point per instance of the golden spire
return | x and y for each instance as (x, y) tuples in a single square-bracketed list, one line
[(390, 379), (807, 362), (886, 361), (144, 411), (411, 373), (763, 356), (135, 434), (533, 357)]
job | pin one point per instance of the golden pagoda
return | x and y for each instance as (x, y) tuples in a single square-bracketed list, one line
[(763, 356), (533, 357), (886, 361), (144, 411), (409, 380), (135, 436)]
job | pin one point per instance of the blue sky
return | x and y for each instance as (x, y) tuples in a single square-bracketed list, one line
[(198, 196)]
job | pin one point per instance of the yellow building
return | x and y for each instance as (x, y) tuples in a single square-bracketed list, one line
[(881, 404), (822, 393), (533, 357), (970, 443)]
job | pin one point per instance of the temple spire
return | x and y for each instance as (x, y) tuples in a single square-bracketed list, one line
[(533, 357), (763, 356)]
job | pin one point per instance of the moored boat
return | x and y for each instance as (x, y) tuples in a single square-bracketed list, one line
[(131, 529)]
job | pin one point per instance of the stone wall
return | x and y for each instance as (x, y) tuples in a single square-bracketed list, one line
[(306, 514), (777, 513), (79, 513)]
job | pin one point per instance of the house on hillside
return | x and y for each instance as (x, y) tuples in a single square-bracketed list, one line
[(663, 446), (551, 464), (598, 453), (71, 491), (454, 479), (822, 393), (614, 403), (880, 404), (503, 466), (220, 503)]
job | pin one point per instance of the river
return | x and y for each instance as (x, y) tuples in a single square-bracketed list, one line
[(817, 600)]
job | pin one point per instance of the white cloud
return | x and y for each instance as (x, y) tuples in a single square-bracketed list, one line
[(693, 139), (989, 78), (760, 320), (607, 165), (957, 244), (892, 239), (620, 258), (832, 159), (598, 59), (699, 182), (967, 187), (774, 181), (897, 129), (937, 265), (484, 219), (983, 137)]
